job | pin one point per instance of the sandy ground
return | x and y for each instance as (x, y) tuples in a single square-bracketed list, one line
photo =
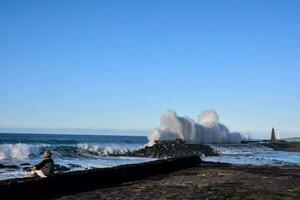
[(208, 182)]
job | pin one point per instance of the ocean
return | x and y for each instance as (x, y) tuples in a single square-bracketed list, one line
[(79, 152), (82, 151), (253, 154)]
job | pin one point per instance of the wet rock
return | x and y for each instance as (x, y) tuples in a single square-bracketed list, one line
[(284, 146), (174, 148), (74, 165), (61, 168), (26, 169), (2, 166), (77, 181), (25, 164)]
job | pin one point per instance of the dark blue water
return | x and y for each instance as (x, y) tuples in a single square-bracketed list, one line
[(86, 151), (14, 138)]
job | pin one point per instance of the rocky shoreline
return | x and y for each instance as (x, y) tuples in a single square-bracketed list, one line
[(161, 179), (175, 178), (161, 149), (215, 181), (78, 181), (285, 146), (27, 167), (172, 148), (279, 145)]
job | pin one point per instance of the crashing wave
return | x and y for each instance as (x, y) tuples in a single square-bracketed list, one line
[(207, 130), (18, 151), (85, 150), (22, 151)]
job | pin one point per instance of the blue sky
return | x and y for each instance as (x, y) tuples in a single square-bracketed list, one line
[(121, 64)]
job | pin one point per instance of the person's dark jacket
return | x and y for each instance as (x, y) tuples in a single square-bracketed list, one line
[(47, 166)]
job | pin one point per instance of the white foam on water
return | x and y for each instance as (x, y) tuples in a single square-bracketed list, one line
[(207, 129), (106, 149), (83, 164), (14, 151), (253, 155), (4, 174)]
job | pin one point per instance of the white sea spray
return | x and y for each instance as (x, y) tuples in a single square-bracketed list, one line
[(207, 129), (15, 151)]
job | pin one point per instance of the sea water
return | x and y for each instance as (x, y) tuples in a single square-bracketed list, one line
[(253, 154), (81, 151), (94, 151)]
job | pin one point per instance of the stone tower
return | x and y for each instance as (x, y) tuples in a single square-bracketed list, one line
[(273, 137)]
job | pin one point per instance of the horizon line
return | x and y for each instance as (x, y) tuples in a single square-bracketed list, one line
[(75, 131)]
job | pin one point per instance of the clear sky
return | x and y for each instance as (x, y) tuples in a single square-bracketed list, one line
[(121, 64)]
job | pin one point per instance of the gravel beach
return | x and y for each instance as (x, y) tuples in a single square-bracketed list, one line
[(208, 182)]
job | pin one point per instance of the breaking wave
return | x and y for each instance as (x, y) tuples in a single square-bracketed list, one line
[(207, 129), (22, 151), (15, 151), (87, 150)]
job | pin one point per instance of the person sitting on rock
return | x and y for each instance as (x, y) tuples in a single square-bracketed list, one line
[(44, 168)]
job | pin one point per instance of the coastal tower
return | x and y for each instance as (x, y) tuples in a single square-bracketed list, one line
[(273, 137)]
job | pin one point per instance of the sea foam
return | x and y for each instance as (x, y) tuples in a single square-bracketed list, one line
[(15, 151), (207, 129)]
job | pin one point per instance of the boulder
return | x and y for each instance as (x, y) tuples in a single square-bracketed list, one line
[(174, 148), (61, 168), (25, 164), (2, 166), (74, 165), (26, 169)]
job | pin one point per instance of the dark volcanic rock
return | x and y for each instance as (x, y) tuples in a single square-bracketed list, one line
[(74, 165), (207, 182), (26, 169), (61, 168), (284, 146), (78, 181), (174, 148), (25, 164), (2, 166)]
